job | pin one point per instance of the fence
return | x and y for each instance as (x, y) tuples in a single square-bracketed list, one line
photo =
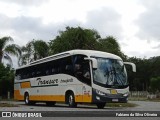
[(143, 94), (138, 94)]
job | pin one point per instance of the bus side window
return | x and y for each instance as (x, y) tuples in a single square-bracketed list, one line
[(53, 70), (86, 72), (69, 69), (33, 74), (18, 75), (66, 65), (47, 72), (38, 73)]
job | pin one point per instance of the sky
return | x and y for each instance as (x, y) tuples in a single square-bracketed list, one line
[(134, 23)]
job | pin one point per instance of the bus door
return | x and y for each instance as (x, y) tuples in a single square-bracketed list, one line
[(82, 73)]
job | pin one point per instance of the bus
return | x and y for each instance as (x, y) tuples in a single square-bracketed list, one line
[(72, 77)]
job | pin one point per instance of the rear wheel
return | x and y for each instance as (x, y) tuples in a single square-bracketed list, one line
[(71, 100), (100, 105), (27, 101)]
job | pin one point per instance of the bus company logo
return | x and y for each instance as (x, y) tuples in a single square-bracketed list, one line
[(67, 80), (47, 82), (6, 114)]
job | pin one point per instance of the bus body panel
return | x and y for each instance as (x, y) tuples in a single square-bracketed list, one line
[(53, 87), (53, 92)]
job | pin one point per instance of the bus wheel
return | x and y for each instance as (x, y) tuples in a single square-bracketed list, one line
[(26, 99), (71, 100), (50, 103), (100, 105)]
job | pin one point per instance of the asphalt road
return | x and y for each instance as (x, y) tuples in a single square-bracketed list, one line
[(62, 111), (142, 106)]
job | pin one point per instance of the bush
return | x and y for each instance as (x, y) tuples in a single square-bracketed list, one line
[(6, 80), (155, 84)]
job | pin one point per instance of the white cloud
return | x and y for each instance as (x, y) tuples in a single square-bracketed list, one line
[(106, 21), (148, 22), (25, 2), (134, 23)]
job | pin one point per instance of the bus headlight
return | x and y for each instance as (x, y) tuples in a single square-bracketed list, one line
[(125, 95), (100, 93)]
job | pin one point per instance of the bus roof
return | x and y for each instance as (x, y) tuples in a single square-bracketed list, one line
[(88, 53)]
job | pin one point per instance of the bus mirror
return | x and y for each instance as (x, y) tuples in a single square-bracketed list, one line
[(132, 64), (94, 62)]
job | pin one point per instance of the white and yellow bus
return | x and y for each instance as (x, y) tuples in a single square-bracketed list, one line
[(76, 76)]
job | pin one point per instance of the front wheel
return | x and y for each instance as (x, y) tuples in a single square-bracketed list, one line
[(71, 100), (100, 105)]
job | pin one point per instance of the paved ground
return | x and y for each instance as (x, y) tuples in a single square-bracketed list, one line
[(142, 106), (86, 110)]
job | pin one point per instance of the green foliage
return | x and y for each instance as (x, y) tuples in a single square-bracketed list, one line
[(6, 80), (147, 71), (80, 38), (155, 84), (34, 50), (140, 79), (110, 44), (6, 50), (74, 38)]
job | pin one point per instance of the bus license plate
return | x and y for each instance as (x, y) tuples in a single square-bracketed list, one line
[(113, 91), (114, 100)]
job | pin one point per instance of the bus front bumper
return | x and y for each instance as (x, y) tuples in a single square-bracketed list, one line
[(109, 98)]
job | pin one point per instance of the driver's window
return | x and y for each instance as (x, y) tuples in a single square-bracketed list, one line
[(82, 69)]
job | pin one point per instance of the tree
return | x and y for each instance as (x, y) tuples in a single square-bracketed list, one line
[(110, 44), (141, 79), (34, 50), (6, 80), (5, 49), (74, 38), (155, 84)]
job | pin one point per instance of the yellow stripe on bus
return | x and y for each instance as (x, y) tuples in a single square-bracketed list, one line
[(17, 95), (25, 85), (47, 98), (58, 98)]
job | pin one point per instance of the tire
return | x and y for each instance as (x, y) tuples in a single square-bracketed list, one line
[(50, 103), (100, 105), (26, 99), (71, 100)]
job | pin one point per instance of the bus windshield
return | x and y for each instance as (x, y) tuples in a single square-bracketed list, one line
[(110, 73)]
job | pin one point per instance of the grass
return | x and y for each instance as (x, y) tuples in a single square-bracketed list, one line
[(154, 100), (138, 99), (116, 105), (121, 105)]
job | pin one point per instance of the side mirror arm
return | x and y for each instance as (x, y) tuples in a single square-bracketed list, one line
[(94, 62), (132, 64)]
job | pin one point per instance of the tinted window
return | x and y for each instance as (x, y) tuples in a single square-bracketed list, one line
[(63, 65), (82, 69)]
